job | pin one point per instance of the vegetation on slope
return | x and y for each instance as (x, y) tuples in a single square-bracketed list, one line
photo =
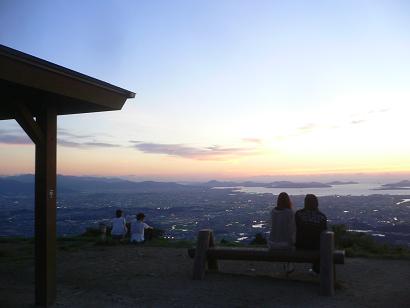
[(355, 244), (358, 244)]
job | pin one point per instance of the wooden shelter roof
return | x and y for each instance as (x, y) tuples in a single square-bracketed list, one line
[(34, 92), (35, 82)]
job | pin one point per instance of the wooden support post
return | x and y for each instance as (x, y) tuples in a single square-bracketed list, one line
[(212, 262), (327, 284), (202, 246), (45, 209)]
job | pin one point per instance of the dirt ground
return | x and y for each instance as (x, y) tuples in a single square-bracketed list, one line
[(129, 276)]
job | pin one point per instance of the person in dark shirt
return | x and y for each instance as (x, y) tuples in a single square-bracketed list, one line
[(310, 223)]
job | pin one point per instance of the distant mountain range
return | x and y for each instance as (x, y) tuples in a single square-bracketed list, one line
[(13, 187), (341, 183), (395, 186), (24, 185), (277, 184)]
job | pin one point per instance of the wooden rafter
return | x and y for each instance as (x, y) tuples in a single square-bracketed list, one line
[(24, 117)]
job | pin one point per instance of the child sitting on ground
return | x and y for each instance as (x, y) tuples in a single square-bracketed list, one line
[(137, 229), (119, 228)]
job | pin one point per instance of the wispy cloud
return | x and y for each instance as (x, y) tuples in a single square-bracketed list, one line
[(308, 127), (252, 140), (11, 130), (366, 116), (63, 132), (354, 122), (6, 137), (69, 139), (381, 110), (73, 144), (14, 139), (353, 119), (200, 153), (66, 133)]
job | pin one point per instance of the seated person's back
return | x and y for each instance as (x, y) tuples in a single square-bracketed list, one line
[(282, 235), (310, 223), (119, 228)]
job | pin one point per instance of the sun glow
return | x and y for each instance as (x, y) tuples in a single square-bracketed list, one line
[(322, 92)]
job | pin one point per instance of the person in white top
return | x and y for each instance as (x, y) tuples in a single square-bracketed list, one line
[(119, 227), (138, 228), (283, 228)]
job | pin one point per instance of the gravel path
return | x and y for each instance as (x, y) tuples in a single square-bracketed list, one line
[(128, 276)]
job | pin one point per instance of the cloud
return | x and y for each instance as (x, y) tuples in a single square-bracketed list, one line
[(73, 144), (21, 139), (14, 139), (252, 140), (308, 127), (382, 110), (207, 153), (101, 144), (357, 121), (17, 137), (364, 117), (66, 133), (68, 137), (11, 130), (63, 132)]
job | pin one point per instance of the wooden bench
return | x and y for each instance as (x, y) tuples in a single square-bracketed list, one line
[(206, 254)]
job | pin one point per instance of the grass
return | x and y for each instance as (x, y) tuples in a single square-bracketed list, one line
[(358, 244), (162, 242), (16, 249), (355, 245), (6, 240)]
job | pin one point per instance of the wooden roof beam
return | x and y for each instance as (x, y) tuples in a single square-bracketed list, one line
[(24, 117)]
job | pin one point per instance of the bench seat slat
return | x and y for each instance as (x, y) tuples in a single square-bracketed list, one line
[(263, 254), (231, 253)]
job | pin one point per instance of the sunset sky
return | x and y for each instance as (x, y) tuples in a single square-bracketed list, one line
[(224, 89)]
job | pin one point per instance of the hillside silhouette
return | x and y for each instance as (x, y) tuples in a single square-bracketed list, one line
[(24, 184)]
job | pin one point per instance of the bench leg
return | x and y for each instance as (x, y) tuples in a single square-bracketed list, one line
[(327, 283), (202, 246), (212, 262)]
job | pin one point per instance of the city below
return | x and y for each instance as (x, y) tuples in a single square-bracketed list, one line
[(235, 213)]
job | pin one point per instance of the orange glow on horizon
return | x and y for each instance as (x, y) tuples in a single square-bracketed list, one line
[(126, 162)]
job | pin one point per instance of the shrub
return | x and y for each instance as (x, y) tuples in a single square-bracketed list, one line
[(91, 232), (359, 244), (259, 239), (157, 233), (223, 241)]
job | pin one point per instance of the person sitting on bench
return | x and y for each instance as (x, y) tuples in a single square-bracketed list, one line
[(282, 234), (310, 223)]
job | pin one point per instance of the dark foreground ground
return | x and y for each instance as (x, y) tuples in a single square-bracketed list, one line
[(129, 276)]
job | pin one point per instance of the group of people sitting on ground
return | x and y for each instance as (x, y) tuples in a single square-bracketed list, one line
[(136, 227), (299, 230)]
